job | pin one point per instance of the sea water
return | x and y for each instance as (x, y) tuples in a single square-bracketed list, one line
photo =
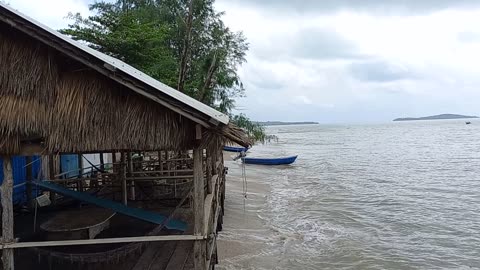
[(402, 195)]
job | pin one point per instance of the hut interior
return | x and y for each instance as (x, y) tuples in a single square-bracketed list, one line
[(154, 199)]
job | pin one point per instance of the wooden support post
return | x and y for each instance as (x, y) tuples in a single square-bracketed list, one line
[(199, 248), (160, 162), (102, 162), (114, 158), (6, 190), (123, 177), (208, 165), (129, 173), (80, 172)]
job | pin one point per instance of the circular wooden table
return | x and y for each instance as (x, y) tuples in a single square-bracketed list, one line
[(83, 223)]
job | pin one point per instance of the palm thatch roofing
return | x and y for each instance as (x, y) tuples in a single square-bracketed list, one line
[(67, 97)]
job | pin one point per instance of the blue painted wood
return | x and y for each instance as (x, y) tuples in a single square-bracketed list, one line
[(270, 161), (69, 163), (19, 167), (115, 206), (235, 149)]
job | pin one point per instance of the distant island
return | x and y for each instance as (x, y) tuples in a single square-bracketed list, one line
[(279, 123), (436, 117)]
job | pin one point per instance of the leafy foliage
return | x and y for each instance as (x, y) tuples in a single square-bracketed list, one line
[(183, 43), (254, 130)]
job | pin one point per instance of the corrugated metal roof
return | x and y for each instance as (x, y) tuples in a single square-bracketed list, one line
[(133, 72)]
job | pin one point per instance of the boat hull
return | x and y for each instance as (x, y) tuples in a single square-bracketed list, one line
[(235, 149), (270, 161)]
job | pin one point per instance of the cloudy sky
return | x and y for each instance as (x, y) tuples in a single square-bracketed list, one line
[(344, 61)]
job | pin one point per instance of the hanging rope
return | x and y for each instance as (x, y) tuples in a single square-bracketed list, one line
[(244, 179)]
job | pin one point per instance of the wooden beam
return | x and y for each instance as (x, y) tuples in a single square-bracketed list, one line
[(198, 132), (9, 246), (160, 177), (6, 190), (31, 150), (165, 171), (199, 247)]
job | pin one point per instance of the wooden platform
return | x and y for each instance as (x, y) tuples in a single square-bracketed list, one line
[(166, 256)]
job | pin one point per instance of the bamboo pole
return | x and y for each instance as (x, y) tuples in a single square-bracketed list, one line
[(28, 188), (199, 248), (6, 190), (123, 177), (52, 172), (137, 239)]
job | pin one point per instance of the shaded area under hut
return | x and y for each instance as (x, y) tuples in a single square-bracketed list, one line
[(155, 198)]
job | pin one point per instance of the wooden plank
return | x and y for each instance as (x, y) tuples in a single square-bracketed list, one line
[(6, 190), (209, 204), (180, 256), (209, 172), (208, 212), (103, 241), (199, 248), (210, 251), (156, 256)]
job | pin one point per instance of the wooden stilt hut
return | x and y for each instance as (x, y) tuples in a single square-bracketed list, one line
[(59, 96)]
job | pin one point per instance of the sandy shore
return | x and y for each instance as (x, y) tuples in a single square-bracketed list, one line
[(243, 236)]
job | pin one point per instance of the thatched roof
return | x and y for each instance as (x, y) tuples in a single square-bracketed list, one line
[(70, 98)]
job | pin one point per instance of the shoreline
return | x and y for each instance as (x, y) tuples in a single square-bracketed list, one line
[(244, 233)]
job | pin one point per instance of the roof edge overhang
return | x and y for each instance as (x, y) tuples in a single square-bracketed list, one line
[(115, 70)]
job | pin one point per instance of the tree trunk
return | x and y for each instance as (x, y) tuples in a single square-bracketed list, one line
[(186, 49), (208, 81)]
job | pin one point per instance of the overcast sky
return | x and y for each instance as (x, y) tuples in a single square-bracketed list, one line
[(344, 61)]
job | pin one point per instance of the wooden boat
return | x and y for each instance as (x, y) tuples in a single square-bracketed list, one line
[(235, 149), (270, 161)]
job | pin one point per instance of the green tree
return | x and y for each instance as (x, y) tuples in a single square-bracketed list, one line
[(183, 43)]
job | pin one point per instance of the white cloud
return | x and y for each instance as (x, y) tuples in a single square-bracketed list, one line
[(348, 63), (418, 63), (50, 12)]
